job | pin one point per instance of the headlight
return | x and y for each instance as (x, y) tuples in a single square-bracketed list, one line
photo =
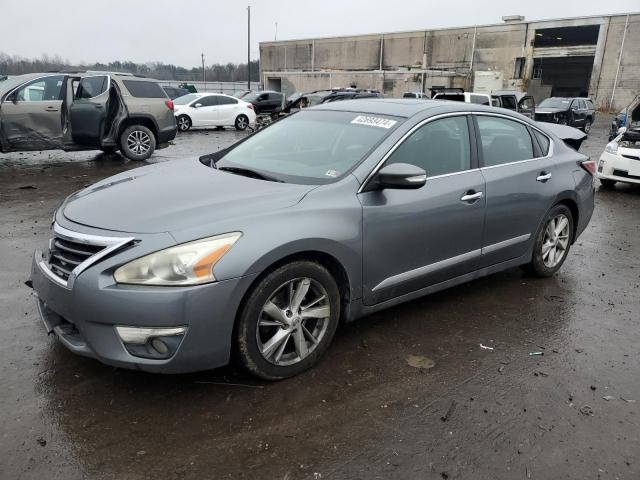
[(187, 264), (612, 147)]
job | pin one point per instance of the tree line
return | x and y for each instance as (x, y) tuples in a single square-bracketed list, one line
[(230, 72)]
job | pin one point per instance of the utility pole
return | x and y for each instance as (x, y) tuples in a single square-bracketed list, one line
[(275, 38), (204, 75), (249, 47)]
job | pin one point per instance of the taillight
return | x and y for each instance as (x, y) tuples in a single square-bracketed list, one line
[(589, 166), (249, 105), (169, 104)]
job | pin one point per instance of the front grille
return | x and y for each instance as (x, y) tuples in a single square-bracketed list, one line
[(66, 254)]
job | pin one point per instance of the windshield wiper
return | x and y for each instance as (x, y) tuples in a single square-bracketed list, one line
[(247, 172)]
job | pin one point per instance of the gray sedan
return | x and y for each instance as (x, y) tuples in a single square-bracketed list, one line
[(259, 251)]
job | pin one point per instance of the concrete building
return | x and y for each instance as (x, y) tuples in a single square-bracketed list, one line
[(597, 56)]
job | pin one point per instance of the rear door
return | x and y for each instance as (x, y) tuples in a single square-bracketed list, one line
[(227, 110), (520, 185), (88, 110), (31, 115)]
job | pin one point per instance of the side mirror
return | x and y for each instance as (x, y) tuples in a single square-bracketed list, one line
[(402, 176), (197, 105)]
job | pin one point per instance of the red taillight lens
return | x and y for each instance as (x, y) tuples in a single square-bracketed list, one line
[(169, 104), (249, 105), (589, 166)]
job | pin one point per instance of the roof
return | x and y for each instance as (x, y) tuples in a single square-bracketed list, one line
[(399, 107)]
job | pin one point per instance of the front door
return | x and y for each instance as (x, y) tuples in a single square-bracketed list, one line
[(88, 110), (416, 238), (206, 114), (520, 186), (31, 115)]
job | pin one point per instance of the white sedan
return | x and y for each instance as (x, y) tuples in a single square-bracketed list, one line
[(620, 161), (212, 110)]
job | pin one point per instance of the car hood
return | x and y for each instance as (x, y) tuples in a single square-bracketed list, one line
[(550, 110), (176, 195)]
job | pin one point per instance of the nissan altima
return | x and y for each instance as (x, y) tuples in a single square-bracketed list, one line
[(258, 252)]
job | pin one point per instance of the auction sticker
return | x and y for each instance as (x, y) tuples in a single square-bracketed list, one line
[(374, 121)]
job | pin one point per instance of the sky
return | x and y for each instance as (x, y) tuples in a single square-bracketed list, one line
[(178, 31)]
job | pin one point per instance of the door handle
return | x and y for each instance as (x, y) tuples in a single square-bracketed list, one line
[(97, 105), (543, 177), (51, 109), (471, 196)]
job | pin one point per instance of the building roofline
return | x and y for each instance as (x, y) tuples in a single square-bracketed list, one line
[(503, 24)]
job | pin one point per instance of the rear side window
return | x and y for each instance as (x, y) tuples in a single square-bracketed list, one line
[(90, 87), (438, 147), (144, 89), (226, 101), (543, 141), (589, 104), (582, 104), (503, 141)]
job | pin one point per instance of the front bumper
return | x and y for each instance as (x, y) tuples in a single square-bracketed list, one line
[(612, 166), (83, 317)]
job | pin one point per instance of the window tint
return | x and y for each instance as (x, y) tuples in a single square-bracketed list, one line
[(503, 140), (47, 88), (543, 141), (226, 101), (509, 102), (479, 99), (589, 104), (92, 86), (144, 89), (582, 104), (575, 105), (439, 147), (209, 101), (527, 103)]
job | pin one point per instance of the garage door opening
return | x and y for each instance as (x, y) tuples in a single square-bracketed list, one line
[(567, 76), (274, 84)]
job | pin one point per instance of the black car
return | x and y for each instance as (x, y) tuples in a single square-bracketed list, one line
[(267, 101), (175, 92), (578, 112)]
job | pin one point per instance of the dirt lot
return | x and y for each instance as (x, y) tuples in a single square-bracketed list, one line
[(368, 410)]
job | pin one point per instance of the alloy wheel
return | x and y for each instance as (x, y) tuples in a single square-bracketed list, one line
[(138, 142), (293, 321), (587, 126), (183, 123), (242, 122), (555, 241)]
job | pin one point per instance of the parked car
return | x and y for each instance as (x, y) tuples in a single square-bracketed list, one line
[(85, 111), (212, 110), (174, 92), (511, 100), (620, 161), (242, 93), (627, 116), (573, 111), (318, 97), (421, 95), (330, 214), (265, 102)]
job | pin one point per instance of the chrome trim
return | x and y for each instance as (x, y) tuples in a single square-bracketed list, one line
[(456, 114), (506, 243), (111, 244), (472, 196), (44, 267), (543, 178), (420, 271), (417, 178), (6, 95)]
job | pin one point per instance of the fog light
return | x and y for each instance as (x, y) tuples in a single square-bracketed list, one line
[(154, 343), (160, 346)]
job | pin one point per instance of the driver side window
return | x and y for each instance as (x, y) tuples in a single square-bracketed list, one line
[(41, 89), (438, 147)]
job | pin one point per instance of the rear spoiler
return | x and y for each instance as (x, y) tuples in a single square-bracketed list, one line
[(569, 135)]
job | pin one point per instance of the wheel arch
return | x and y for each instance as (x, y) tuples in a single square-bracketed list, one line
[(569, 199), (144, 120)]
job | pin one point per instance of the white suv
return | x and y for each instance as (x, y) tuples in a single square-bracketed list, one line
[(212, 110)]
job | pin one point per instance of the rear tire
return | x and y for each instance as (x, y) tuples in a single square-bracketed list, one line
[(288, 320), (137, 142), (184, 123), (606, 183), (242, 122), (552, 243), (587, 126)]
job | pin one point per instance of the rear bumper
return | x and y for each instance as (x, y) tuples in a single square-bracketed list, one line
[(83, 318), (167, 134)]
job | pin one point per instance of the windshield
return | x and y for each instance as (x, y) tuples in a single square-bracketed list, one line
[(183, 100), (310, 147), (555, 103)]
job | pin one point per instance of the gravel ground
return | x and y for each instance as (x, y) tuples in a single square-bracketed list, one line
[(406, 393)]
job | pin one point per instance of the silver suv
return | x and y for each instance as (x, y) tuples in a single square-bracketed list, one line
[(85, 111)]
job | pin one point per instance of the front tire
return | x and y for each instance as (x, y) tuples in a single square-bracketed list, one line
[(242, 122), (587, 126), (288, 320), (184, 123), (552, 243), (137, 142)]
